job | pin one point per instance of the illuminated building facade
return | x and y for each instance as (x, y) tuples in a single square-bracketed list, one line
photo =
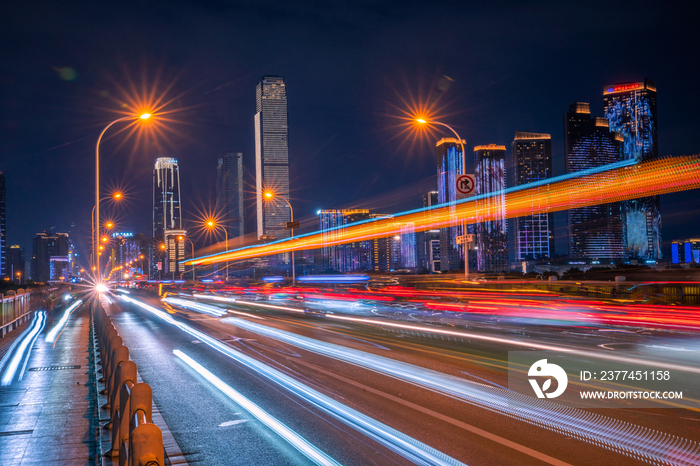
[(532, 161), (491, 235), (631, 111), (4, 272), (50, 256), (428, 242), (230, 193), (272, 157), (449, 166), (167, 217), (346, 257), (595, 232), (685, 251)]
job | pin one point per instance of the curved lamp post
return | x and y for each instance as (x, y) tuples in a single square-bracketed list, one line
[(269, 195)]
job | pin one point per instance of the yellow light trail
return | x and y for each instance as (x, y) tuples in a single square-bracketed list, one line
[(627, 181)]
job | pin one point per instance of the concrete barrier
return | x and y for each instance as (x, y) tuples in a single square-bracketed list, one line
[(135, 439)]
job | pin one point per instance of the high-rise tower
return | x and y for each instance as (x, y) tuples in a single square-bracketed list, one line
[(272, 157), (230, 193), (532, 161), (167, 220), (449, 166), (595, 232), (631, 111), (491, 235)]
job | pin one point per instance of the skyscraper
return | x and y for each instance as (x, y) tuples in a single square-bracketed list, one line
[(631, 110), (3, 228), (167, 220), (343, 257), (595, 232), (428, 242), (230, 193), (491, 235), (15, 263), (272, 157), (50, 256), (449, 166), (532, 161)]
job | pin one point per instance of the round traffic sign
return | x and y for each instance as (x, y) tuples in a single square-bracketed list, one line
[(465, 184)]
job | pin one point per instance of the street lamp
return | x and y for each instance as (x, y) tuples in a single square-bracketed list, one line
[(116, 196), (182, 238), (423, 121), (212, 225), (143, 116), (270, 195)]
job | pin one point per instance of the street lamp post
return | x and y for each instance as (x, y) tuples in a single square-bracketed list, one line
[(96, 233), (211, 224), (182, 238), (144, 116), (270, 195), (464, 171)]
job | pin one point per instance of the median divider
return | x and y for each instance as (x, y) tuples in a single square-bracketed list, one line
[(135, 439)]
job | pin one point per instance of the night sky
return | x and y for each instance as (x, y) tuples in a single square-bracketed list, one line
[(491, 68)]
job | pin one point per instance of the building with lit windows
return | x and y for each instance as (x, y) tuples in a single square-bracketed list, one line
[(449, 166), (491, 235), (685, 251), (272, 157), (631, 110), (230, 193), (428, 242), (15, 263), (167, 218), (532, 161), (343, 257), (596, 232), (50, 257)]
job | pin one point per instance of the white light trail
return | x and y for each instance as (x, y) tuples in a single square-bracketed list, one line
[(525, 344), (51, 337), (270, 306), (402, 444), (211, 310), (214, 298), (294, 439), (637, 441), (25, 348)]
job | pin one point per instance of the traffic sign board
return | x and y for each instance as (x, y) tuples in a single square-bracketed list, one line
[(465, 184), (292, 225), (465, 239)]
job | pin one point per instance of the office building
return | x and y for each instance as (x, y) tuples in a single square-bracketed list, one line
[(532, 162), (428, 242), (491, 233), (167, 217), (15, 263), (631, 110), (449, 165), (342, 257), (272, 157), (50, 257), (3, 229), (595, 232), (686, 251), (230, 193)]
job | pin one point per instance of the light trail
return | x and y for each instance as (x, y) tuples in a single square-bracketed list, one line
[(294, 439), (636, 441), (601, 185), (400, 443), (525, 344), (51, 337), (270, 306), (211, 310), (24, 349)]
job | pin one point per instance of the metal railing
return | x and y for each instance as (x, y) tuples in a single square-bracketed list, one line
[(135, 439)]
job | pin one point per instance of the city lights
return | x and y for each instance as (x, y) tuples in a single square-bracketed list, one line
[(610, 183)]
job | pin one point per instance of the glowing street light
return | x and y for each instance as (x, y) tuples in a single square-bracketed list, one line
[(212, 225), (270, 195), (423, 121)]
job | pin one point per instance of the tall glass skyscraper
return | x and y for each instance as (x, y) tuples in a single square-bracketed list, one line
[(230, 193), (595, 232), (167, 220), (449, 166), (272, 156), (532, 161), (631, 110), (343, 257), (491, 235)]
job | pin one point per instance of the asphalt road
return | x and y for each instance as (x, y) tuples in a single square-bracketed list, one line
[(212, 429)]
